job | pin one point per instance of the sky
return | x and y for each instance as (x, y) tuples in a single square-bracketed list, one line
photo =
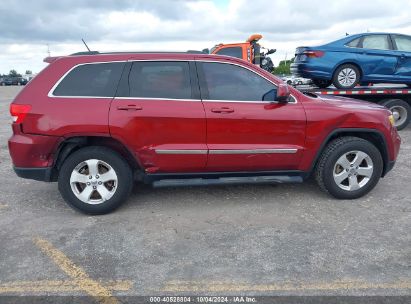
[(31, 28)]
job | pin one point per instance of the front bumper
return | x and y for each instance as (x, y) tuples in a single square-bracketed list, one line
[(388, 167)]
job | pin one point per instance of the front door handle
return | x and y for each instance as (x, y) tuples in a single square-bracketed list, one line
[(222, 110), (129, 108)]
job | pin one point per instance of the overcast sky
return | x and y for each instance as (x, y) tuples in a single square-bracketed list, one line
[(29, 27)]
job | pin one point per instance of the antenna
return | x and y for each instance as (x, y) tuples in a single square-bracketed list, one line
[(85, 44)]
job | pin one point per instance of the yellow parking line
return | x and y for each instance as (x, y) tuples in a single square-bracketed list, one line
[(95, 289), (55, 286), (194, 286)]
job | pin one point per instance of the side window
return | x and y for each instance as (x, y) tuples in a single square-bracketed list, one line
[(231, 51), (160, 79), (354, 43), (403, 43), (376, 42), (231, 82), (99, 80)]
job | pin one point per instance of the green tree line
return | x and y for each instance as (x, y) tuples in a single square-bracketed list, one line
[(14, 73), (283, 67)]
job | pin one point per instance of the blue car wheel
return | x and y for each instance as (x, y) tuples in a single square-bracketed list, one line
[(347, 76)]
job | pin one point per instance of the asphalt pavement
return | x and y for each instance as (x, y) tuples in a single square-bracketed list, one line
[(249, 239)]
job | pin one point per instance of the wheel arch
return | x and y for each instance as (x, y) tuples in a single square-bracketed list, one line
[(74, 143), (372, 135)]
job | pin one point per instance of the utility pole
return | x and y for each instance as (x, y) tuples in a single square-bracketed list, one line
[(48, 50)]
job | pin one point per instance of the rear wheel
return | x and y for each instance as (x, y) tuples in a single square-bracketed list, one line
[(401, 111), (95, 180), (349, 168), (346, 76), (321, 83)]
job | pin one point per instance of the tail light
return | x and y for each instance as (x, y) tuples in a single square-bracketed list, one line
[(314, 54), (19, 112)]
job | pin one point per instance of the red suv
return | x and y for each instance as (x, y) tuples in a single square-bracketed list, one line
[(98, 122)]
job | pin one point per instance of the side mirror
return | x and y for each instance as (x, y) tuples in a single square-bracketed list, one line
[(272, 51), (283, 93)]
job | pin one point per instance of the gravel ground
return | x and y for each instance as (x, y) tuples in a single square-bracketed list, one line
[(252, 239)]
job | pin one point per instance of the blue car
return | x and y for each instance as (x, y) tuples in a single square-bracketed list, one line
[(356, 59)]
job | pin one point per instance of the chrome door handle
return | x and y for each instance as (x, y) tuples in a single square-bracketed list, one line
[(129, 108), (222, 110)]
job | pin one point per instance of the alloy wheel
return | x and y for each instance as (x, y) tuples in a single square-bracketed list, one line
[(93, 181), (353, 170), (347, 77)]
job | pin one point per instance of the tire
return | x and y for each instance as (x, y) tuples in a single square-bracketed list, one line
[(401, 111), (346, 76), (289, 82), (322, 84), (330, 173), (114, 191)]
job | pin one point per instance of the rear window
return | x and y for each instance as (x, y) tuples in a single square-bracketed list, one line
[(403, 43), (162, 79), (91, 80), (354, 43), (231, 51), (376, 42)]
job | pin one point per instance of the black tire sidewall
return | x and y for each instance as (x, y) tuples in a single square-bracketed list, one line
[(120, 166), (360, 145), (338, 70)]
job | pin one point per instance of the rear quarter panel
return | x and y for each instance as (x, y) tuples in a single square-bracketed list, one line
[(61, 116)]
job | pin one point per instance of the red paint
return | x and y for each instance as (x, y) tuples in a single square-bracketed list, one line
[(187, 125)]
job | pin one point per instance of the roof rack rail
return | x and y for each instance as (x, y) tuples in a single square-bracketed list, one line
[(85, 53), (138, 52)]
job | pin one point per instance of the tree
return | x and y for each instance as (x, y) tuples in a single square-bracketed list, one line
[(283, 67), (13, 73), (29, 72)]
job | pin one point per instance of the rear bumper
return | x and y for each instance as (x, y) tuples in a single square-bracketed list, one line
[(31, 151), (39, 174), (306, 70)]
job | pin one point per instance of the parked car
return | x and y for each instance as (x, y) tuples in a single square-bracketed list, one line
[(18, 81), (5, 81), (294, 81), (356, 59), (95, 123), (13, 81)]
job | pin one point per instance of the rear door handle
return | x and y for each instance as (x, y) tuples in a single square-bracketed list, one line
[(129, 108), (222, 110)]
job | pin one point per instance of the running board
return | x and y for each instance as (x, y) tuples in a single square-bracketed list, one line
[(281, 179)]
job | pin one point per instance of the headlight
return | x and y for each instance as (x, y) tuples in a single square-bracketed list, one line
[(392, 120)]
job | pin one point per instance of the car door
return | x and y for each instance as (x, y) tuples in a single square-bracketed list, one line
[(158, 114), (402, 46), (244, 132), (378, 61)]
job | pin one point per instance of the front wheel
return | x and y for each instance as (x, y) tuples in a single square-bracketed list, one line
[(349, 168), (346, 76), (95, 180)]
